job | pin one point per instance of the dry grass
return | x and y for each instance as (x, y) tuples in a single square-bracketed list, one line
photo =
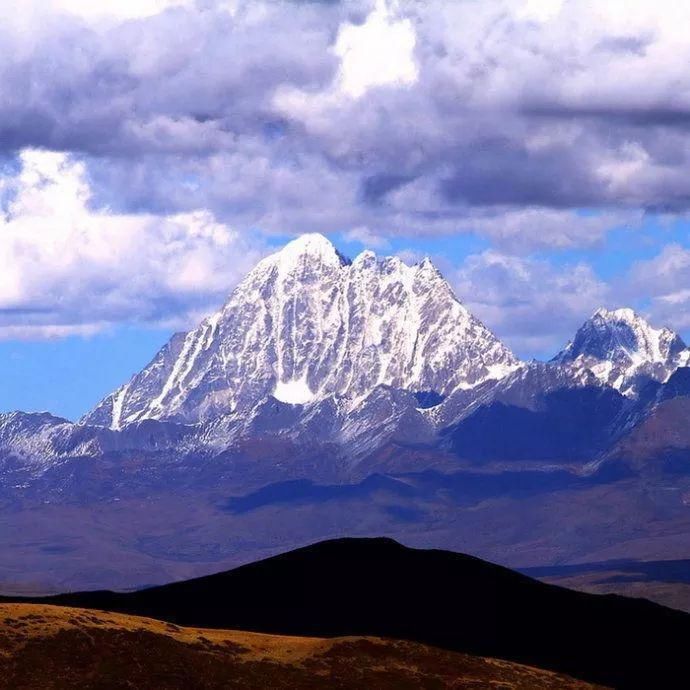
[(49, 647)]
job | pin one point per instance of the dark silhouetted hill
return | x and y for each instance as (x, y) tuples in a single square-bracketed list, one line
[(379, 587)]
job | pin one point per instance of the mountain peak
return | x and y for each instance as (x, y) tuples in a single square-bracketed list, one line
[(365, 258), (621, 314), (623, 350), (427, 267), (307, 324), (312, 245)]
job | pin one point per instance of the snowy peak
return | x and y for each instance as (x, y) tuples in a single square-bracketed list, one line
[(306, 324), (624, 351), (312, 247), (624, 334)]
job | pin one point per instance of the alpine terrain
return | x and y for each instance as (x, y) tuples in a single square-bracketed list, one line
[(334, 397), (307, 325)]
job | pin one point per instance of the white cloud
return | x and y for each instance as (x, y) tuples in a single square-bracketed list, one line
[(376, 53), (540, 10), (529, 229), (70, 268), (664, 281), (118, 9), (366, 237), (534, 305), (28, 20), (379, 52)]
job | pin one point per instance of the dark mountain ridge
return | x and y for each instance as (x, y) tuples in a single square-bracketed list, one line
[(449, 600)]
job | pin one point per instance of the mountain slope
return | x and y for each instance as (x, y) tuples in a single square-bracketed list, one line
[(315, 351), (378, 587), (51, 647), (307, 324)]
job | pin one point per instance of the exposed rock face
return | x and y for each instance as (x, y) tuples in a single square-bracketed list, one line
[(307, 324)]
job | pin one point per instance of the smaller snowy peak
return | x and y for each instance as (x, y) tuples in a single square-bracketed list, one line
[(624, 351), (427, 265), (622, 333)]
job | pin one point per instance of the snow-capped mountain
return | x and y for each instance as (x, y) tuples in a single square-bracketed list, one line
[(623, 351), (321, 360), (308, 324), (330, 395)]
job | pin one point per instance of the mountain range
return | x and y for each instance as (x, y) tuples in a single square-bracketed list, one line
[(325, 382)]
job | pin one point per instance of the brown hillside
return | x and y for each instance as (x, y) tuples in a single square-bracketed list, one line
[(50, 647)]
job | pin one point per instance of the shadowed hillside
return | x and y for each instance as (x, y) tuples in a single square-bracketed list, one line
[(378, 587)]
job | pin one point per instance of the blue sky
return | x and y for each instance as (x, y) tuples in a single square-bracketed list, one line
[(68, 376), (537, 150)]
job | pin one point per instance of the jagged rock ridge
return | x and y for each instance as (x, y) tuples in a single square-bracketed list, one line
[(307, 324)]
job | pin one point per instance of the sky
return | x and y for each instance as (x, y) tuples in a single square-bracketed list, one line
[(151, 151)]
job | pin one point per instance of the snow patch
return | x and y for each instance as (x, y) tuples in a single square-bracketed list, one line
[(501, 370), (295, 392), (118, 400)]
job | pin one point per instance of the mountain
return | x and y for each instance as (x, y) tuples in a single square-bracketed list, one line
[(54, 647), (332, 397), (669, 579), (623, 351), (321, 354), (307, 324), (447, 600)]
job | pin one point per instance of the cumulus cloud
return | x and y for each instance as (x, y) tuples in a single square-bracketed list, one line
[(539, 125), (366, 237), (378, 52), (113, 9), (525, 230), (535, 306), (466, 108), (69, 268), (664, 281)]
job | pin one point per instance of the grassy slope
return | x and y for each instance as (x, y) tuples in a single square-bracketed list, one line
[(50, 647)]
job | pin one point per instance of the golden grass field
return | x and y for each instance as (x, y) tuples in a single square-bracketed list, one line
[(52, 647)]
